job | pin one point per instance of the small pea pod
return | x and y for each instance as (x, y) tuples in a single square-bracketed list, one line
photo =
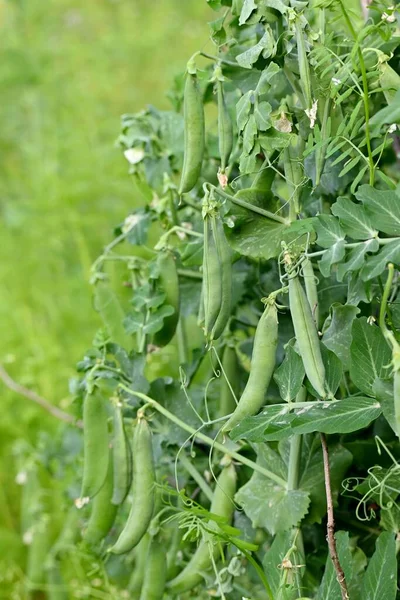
[(112, 314), (217, 273), (222, 505), (262, 366), (170, 285), (306, 336), (95, 443), (137, 577), (230, 365), (225, 127), (194, 132), (122, 458), (103, 512), (143, 490), (311, 288), (155, 572)]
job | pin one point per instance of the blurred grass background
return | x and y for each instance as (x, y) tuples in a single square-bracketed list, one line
[(68, 70)]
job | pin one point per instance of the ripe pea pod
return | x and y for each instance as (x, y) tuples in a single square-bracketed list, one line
[(112, 314), (306, 336), (194, 141), (143, 490), (221, 505), (122, 458), (155, 572), (95, 443), (225, 127), (262, 366), (170, 285), (230, 365), (311, 288), (217, 273), (103, 512)]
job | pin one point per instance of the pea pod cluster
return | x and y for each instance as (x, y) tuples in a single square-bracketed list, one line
[(222, 505), (262, 366), (194, 132), (217, 272)]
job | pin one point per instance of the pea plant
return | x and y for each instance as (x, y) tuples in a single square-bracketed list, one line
[(241, 404)]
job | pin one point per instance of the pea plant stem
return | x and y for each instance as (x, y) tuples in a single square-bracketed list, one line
[(252, 207), (207, 440), (381, 242), (193, 472)]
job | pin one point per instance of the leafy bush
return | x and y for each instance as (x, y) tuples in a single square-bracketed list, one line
[(271, 281)]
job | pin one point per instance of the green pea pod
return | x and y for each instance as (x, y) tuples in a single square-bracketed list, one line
[(230, 365), (396, 396), (217, 274), (112, 314), (38, 552), (155, 572), (194, 142), (122, 458), (103, 512), (262, 367), (222, 505), (225, 128), (137, 577), (143, 490), (170, 285), (311, 289), (95, 443), (306, 336)]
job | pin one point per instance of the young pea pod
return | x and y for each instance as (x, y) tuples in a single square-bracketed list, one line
[(155, 572), (230, 366), (95, 443), (217, 273), (143, 490), (103, 512), (311, 289), (225, 127), (170, 285), (122, 458), (222, 505), (306, 336), (262, 366), (194, 142)]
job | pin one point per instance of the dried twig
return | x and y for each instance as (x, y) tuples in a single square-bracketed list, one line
[(340, 576), (31, 395)]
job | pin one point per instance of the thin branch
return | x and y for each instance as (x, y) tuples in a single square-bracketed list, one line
[(31, 395), (331, 523)]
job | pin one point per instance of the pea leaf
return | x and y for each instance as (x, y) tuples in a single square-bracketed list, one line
[(290, 374), (342, 416), (375, 265), (356, 258), (265, 45), (243, 108), (333, 369), (262, 111), (380, 580), (354, 219), (265, 502), (249, 134), (383, 390), (329, 231), (247, 9), (329, 587), (384, 206), (253, 428), (338, 335), (369, 355)]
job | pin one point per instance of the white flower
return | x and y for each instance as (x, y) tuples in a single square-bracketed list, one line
[(134, 155), (336, 81), (21, 478), (392, 128), (81, 502), (27, 537), (388, 18), (312, 113)]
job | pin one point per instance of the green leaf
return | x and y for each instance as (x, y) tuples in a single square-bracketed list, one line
[(338, 336), (218, 33), (262, 111), (356, 258), (249, 134), (383, 390), (333, 370), (254, 235), (243, 108), (354, 219), (112, 314), (265, 45), (332, 256), (192, 255), (384, 206), (290, 374), (266, 76), (375, 265), (370, 355), (265, 502), (247, 9), (380, 580), (341, 416), (329, 588), (253, 428), (329, 231), (273, 558), (136, 227)]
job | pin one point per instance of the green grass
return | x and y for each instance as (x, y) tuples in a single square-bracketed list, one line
[(69, 69)]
